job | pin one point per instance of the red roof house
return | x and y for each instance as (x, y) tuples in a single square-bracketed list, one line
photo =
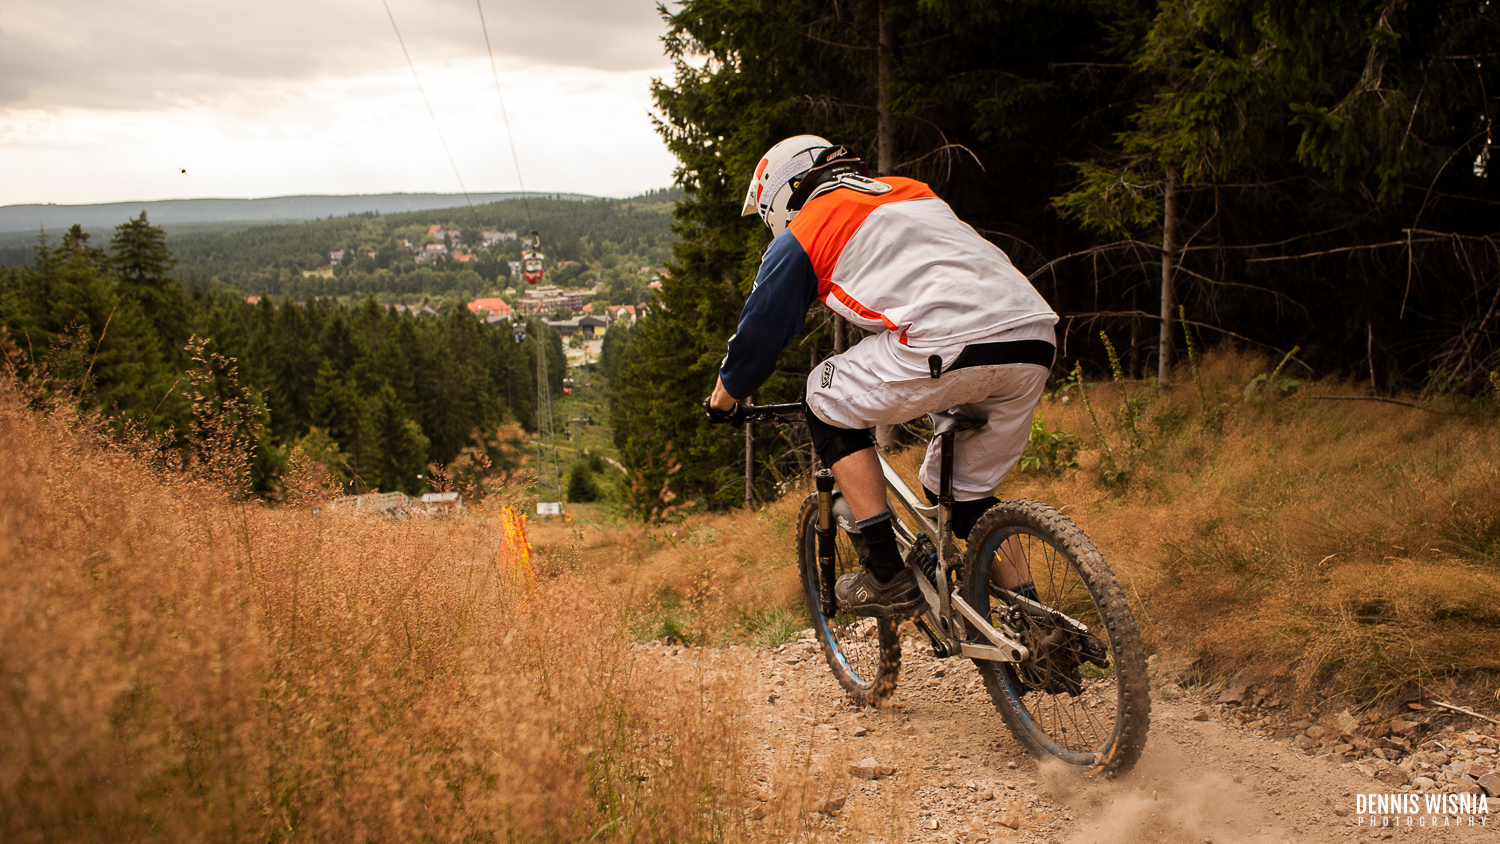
[(490, 307)]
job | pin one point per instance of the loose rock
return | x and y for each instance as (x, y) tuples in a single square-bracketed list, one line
[(1234, 694), (869, 769), (831, 806), (1010, 817)]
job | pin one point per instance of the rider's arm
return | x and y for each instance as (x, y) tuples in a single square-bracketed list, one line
[(785, 285)]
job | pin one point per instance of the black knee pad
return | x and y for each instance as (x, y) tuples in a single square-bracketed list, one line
[(965, 513), (833, 443)]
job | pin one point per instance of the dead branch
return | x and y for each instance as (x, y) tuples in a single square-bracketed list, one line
[(1091, 316), (915, 161), (1436, 702), (1342, 249), (1381, 399)]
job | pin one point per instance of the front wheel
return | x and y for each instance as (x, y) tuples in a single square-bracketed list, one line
[(1081, 696), (864, 653)]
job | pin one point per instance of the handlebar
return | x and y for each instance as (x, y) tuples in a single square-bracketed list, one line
[(781, 413)]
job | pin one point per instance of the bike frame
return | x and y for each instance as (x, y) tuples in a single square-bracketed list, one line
[(946, 608), (943, 606)]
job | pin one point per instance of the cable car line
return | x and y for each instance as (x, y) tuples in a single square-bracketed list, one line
[(483, 27), (430, 112), (531, 259)]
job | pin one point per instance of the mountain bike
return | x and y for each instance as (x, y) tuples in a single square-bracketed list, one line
[(1063, 665)]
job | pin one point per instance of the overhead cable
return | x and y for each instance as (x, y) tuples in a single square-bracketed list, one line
[(430, 112), (483, 27)]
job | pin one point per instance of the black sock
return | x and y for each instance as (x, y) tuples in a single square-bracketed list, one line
[(965, 513), (880, 539)]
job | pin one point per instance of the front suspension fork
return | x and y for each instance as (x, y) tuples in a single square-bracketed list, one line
[(826, 539)]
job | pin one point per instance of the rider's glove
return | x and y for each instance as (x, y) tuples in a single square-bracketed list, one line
[(724, 417)]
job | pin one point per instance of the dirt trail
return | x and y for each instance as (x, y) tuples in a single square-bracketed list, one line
[(960, 777)]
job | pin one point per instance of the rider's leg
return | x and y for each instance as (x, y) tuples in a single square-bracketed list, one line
[(862, 483), (850, 454), (965, 513), (1005, 395)]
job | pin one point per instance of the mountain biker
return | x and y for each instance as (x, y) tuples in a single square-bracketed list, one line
[(891, 257)]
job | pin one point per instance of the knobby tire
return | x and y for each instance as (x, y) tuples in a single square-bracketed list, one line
[(864, 653), (1093, 718)]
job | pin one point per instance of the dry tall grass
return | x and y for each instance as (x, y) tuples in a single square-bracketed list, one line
[(1332, 546), (178, 667), (1338, 546), (711, 578)]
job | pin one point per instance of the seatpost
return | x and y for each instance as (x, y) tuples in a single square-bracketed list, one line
[(824, 530), (945, 526), (945, 477)]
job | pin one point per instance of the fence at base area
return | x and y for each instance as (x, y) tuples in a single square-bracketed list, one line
[(398, 505)]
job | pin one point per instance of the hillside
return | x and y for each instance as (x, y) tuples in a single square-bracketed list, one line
[(599, 236), (262, 246), (28, 218)]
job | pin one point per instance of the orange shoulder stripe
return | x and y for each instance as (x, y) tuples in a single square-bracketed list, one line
[(827, 223), (854, 305)]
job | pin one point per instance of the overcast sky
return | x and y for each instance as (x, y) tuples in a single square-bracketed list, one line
[(110, 100)]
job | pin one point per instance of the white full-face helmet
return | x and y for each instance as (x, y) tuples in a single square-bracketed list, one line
[(776, 176)]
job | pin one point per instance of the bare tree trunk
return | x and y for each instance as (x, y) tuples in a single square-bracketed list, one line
[(1171, 244), (885, 127), (885, 144), (749, 460), (839, 328), (1135, 338)]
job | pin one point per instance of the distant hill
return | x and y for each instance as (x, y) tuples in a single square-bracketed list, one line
[(169, 212)]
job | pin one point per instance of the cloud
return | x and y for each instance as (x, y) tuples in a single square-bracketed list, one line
[(575, 129), (162, 54)]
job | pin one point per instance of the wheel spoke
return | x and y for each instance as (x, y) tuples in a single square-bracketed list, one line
[(1066, 698)]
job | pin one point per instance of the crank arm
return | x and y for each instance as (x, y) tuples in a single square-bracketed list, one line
[(1008, 649), (930, 594), (988, 653)]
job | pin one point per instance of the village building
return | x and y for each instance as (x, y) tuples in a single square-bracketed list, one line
[(549, 298), (588, 326), (490, 307), (621, 314)]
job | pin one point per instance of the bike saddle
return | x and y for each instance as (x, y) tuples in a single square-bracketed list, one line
[(946, 423)]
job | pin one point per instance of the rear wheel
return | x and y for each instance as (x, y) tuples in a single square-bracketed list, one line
[(1081, 695), (864, 653)]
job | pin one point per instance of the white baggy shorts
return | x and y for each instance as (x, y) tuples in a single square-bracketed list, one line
[(881, 382)]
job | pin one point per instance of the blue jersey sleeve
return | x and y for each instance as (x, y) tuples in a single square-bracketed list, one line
[(785, 285)]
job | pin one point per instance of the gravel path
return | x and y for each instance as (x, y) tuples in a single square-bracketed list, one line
[(823, 769)]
